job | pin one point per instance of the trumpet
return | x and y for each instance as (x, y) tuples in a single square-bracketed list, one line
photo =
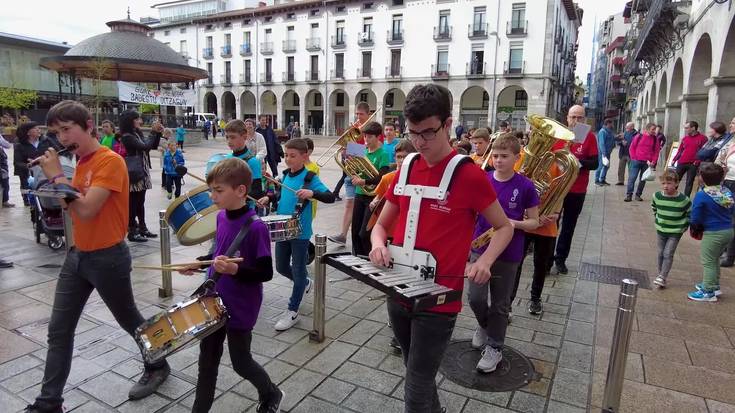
[(352, 134)]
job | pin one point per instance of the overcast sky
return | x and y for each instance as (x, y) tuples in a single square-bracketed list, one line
[(75, 20)]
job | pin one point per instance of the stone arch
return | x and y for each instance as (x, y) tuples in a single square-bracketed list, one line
[(367, 95), (314, 105), (228, 106), (513, 106), (725, 103), (473, 107), (210, 103), (674, 124), (394, 101), (653, 96), (268, 107), (677, 81), (248, 106), (696, 93), (291, 103), (339, 104), (662, 89)]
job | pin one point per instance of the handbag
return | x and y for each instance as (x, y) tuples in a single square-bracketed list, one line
[(648, 175), (696, 231), (708, 154), (136, 170)]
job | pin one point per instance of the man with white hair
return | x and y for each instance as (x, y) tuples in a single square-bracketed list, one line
[(624, 142)]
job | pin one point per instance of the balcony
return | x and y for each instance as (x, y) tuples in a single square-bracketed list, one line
[(225, 80), (226, 51), (365, 74), (338, 41), (395, 37), (476, 70), (289, 78), (312, 76), (365, 39), (477, 31), (393, 73), (615, 78), (516, 69), (619, 60), (266, 48), (313, 44), (266, 78), (289, 46), (517, 28), (440, 71), (442, 33), (209, 82), (245, 50), (208, 53), (245, 79), (337, 75)]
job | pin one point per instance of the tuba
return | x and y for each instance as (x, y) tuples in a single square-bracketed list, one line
[(352, 134), (361, 166), (537, 163)]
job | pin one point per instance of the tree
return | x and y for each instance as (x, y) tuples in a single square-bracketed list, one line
[(98, 72), (13, 98)]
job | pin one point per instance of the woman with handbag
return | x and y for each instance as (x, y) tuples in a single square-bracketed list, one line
[(726, 160), (139, 166)]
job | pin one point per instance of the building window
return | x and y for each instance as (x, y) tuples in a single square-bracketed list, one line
[(397, 27), (228, 39), (209, 72), (367, 58), (228, 72), (317, 99), (363, 97), (228, 25), (182, 46), (398, 2), (209, 27), (485, 100), (442, 61), (515, 64), (340, 35), (444, 22), (340, 99), (518, 17), (314, 67), (339, 65), (290, 16), (367, 26), (478, 21), (395, 62), (182, 30), (246, 22), (521, 99), (314, 13), (296, 100), (389, 98), (367, 6), (268, 66), (341, 9), (209, 42), (246, 65), (290, 67)]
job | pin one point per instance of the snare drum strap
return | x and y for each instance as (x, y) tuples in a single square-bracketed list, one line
[(302, 202)]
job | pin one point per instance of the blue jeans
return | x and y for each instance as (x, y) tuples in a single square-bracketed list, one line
[(601, 172), (291, 258), (636, 173)]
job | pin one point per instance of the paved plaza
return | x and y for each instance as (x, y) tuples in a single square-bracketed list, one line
[(681, 359)]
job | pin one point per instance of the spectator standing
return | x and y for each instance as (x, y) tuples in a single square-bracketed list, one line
[(643, 155), (28, 147), (605, 145), (171, 159), (108, 134), (180, 136), (727, 161), (459, 130), (207, 126), (5, 175), (269, 149), (685, 159), (295, 131), (390, 141)]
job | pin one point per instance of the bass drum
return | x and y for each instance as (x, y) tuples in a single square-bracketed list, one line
[(193, 216)]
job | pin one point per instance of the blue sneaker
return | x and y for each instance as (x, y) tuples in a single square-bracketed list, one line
[(700, 287), (701, 295)]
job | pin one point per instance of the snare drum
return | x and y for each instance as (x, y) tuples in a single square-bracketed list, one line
[(214, 160), (282, 227), (193, 216), (171, 330)]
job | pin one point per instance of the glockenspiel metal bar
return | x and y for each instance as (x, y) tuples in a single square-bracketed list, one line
[(429, 289), (398, 281), (350, 260), (387, 278)]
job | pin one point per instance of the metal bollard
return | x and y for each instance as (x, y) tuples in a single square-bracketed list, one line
[(619, 349), (166, 289), (68, 230), (320, 287)]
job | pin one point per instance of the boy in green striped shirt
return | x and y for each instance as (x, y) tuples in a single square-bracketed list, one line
[(671, 212)]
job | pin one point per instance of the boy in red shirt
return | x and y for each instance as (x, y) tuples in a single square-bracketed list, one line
[(424, 336)]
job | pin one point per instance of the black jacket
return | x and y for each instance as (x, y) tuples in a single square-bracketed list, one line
[(24, 151), (137, 144), (275, 152)]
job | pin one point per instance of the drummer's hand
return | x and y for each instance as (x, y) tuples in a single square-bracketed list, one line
[(478, 272), (189, 270), (263, 202), (223, 267), (380, 255), (50, 164), (305, 193)]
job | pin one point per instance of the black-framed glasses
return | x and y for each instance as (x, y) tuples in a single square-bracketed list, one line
[(427, 135)]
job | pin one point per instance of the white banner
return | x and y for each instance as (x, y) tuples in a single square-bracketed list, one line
[(129, 92)]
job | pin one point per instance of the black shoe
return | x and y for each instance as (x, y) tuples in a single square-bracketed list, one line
[(6, 264), (34, 408), (638, 198), (395, 345), (273, 404), (134, 237), (604, 183), (619, 184), (725, 262), (598, 183), (628, 198), (147, 234), (562, 267), (149, 382), (535, 307), (337, 198)]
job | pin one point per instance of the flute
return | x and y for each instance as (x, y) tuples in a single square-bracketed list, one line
[(69, 148)]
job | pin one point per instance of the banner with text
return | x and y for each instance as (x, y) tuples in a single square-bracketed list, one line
[(129, 92)]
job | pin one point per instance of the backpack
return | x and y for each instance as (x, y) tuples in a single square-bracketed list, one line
[(119, 148)]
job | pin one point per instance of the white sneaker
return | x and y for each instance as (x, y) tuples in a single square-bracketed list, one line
[(287, 321), (490, 359), (479, 339), (660, 281)]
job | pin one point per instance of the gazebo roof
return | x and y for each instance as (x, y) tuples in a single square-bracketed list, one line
[(127, 53)]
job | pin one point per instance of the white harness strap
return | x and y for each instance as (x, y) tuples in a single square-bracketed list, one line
[(418, 193)]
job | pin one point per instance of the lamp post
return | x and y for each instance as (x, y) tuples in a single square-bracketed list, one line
[(495, 79)]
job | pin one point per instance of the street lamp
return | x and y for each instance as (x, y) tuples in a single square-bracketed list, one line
[(495, 78)]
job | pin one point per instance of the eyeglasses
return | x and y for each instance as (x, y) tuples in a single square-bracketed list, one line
[(427, 135)]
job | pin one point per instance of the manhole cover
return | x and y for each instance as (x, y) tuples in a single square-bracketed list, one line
[(609, 274), (460, 361)]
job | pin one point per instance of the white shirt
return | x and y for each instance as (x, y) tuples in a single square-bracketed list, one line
[(730, 168), (256, 145)]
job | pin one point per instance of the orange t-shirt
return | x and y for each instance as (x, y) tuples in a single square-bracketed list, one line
[(105, 169), (385, 182)]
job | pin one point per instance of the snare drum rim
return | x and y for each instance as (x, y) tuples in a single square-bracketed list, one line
[(191, 221)]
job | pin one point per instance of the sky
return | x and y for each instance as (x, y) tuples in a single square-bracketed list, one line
[(56, 21)]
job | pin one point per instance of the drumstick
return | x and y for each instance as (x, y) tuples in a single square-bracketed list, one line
[(198, 178), (279, 183), (183, 264)]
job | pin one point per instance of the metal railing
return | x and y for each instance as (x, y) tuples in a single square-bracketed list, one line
[(312, 76), (443, 33), (509, 69), (364, 73), (266, 77), (365, 38), (339, 42), (476, 69), (337, 74), (393, 72), (245, 49), (313, 44), (517, 28), (477, 31), (225, 80), (208, 52), (266, 47), (395, 36), (226, 51), (289, 77), (245, 79), (289, 46), (440, 71)]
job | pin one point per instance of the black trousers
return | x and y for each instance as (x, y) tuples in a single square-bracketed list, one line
[(360, 215), (339, 184), (23, 178), (173, 181), (571, 209), (137, 210), (543, 254), (211, 348), (5, 183), (690, 170)]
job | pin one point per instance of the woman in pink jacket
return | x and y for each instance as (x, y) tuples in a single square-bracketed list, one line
[(643, 154)]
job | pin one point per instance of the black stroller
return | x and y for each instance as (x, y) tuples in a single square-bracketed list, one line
[(46, 213)]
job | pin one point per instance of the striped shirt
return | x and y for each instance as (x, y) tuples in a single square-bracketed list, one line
[(671, 213)]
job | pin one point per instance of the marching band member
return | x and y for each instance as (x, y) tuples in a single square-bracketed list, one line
[(444, 230), (100, 258)]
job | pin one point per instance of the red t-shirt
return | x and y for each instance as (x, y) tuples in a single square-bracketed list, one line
[(584, 150), (445, 227)]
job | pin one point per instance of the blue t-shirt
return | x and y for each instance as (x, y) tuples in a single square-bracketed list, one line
[(242, 299), (390, 149), (288, 201), (253, 163), (180, 132)]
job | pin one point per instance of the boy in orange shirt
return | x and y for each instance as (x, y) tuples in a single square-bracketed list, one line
[(402, 149), (100, 258)]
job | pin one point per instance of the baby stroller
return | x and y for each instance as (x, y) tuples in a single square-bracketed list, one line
[(46, 213)]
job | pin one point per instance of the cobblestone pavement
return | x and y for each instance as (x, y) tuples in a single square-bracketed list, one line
[(681, 353)]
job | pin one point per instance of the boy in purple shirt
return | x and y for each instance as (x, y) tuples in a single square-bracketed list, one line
[(240, 286), (519, 200)]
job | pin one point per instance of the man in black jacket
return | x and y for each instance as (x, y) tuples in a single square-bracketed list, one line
[(275, 152)]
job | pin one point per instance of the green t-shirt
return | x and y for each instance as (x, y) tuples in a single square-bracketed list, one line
[(671, 213), (107, 140), (379, 159)]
